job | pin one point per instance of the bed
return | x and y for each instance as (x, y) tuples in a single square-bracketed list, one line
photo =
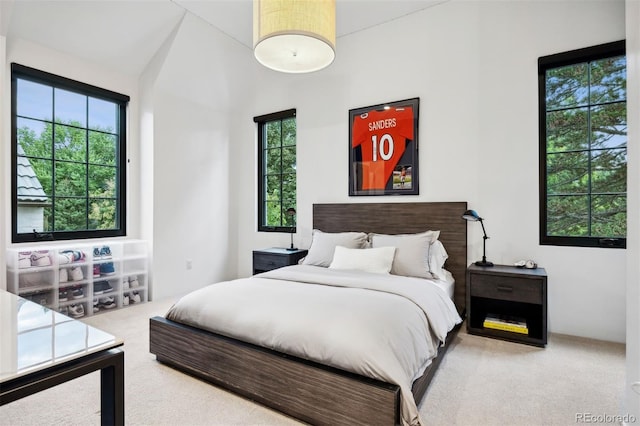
[(302, 387)]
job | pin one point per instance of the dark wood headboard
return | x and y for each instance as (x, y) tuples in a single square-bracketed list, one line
[(405, 218)]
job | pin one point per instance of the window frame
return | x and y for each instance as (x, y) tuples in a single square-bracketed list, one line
[(574, 57), (261, 121), (23, 72)]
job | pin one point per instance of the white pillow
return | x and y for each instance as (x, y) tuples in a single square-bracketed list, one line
[(376, 260), (437, 257), (412, 252), (323, 245)]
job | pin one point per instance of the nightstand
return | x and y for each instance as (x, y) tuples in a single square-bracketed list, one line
[(274, 258), (515, 296)]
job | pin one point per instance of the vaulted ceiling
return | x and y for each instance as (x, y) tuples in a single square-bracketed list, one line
[(125, 34)]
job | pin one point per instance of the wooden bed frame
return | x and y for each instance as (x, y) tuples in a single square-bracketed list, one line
[(311, 392)]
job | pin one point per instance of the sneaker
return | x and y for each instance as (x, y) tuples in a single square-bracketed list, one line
[(63, 310), (107, 268), (98, 287), (125, 300), (68, 254), (24, 259), (96, 271), (65, 258), (77, 293), (76, 274), (96, 254), (125, 283), (107, 302), (64, 275), (76, 311), (101, 287), (105, 252), (135, 297), (75, 255), (40, 258), (63, 296), (96, 307), (133, 281)]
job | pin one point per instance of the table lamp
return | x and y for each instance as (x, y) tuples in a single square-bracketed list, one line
[(292, 212), (472, 216)]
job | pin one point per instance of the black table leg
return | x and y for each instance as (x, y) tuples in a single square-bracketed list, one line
[(112, 392)]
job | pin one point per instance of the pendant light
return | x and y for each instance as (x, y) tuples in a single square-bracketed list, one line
[(294, 36)]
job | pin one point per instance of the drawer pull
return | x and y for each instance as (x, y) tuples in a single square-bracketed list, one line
[(504, 289)]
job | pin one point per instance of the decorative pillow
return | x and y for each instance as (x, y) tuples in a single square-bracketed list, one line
[(376, 260), (412, 252), (323, 245), (437, 257)]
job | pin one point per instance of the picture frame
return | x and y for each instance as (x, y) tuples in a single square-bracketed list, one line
[(383, 149)]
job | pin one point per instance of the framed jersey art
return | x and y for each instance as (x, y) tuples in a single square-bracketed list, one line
[(383, 153)]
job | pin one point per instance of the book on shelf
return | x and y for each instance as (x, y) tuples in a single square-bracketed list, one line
[(506, 323)]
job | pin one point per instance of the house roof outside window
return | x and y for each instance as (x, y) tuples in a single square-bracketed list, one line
[(29, 187)]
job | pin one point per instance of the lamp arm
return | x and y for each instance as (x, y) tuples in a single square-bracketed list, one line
[(484, 243), (483, 231)]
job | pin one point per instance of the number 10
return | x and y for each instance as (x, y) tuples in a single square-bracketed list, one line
[(386, 141)]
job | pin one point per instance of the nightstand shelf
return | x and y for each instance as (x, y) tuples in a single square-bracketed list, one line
[(273, 258), (511, 292)]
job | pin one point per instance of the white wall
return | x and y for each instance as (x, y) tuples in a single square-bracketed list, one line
[(632, 400), (474, 67), (583, 299), (193, 174), (5, 152)]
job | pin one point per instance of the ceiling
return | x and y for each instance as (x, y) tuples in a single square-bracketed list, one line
[(125, 34), (234, 17)]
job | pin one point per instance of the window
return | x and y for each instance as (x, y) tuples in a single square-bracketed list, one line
[(583, 147), (68, 158), (276, 171)]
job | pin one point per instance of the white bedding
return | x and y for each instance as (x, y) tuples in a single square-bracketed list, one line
[(448, 285), (382, 326)]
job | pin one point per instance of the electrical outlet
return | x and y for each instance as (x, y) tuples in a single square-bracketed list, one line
[(189, 263)]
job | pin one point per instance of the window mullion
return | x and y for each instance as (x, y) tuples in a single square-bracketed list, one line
[(280, 174), (86, 164), (589, 160), (53, 161)]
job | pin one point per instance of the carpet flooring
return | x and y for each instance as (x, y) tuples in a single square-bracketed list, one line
[(481, 381)]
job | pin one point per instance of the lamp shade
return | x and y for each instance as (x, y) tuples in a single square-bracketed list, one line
[(294, 36), (471, 215)]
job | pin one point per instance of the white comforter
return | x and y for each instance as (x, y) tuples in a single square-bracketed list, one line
[(382, 326)]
